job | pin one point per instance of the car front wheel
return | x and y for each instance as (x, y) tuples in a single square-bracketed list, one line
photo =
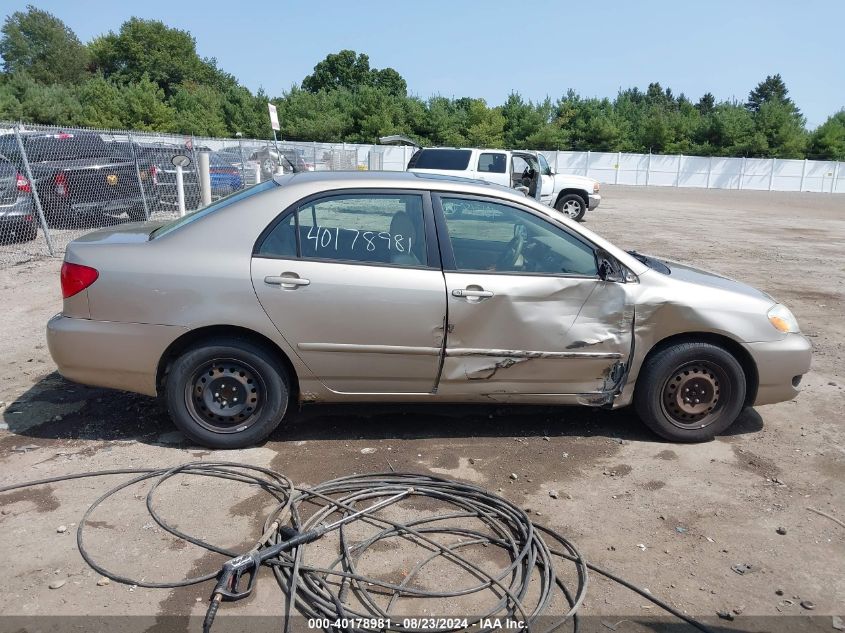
[(572, 206), (227, 393), (690, 392)]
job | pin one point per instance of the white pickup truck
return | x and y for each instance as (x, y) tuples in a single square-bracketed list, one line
[(571, 195)]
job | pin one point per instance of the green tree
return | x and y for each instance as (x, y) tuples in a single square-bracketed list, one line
[(784, 132), (346, 69), (706, 104), (166, 56), (145, 108), (771, 90), (102, 104), (828, 140), (41, 44)]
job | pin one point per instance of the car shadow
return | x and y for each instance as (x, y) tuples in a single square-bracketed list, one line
[(54, 408)]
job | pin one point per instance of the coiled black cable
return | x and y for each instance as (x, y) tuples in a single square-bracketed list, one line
[(521, 590)]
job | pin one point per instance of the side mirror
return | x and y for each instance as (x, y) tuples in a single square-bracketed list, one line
[(609, 269)]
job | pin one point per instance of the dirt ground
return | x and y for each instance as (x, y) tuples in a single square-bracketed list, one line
[(672, 518)]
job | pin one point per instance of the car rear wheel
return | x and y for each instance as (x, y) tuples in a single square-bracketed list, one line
[(572, 206), (227, 393), (690, 392)]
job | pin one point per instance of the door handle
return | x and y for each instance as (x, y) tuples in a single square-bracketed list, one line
[(286, 280), (471, 293)]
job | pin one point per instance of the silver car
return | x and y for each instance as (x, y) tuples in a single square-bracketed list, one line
[(351, 287)]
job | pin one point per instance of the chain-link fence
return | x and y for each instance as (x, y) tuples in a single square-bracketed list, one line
[(58, 183)]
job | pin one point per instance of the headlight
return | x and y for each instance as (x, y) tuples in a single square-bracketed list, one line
[(782, 319), (596, 188)]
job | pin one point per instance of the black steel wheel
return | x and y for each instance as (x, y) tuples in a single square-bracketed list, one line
[(690, 392), (227, 393), (693, 396)]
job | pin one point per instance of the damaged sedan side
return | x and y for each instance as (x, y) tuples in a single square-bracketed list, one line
[(396, 287)]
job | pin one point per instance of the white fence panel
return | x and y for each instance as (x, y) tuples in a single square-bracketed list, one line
[(662, 170), (787, 174), (758, 174), (819, 176), (693, 172), (725, 173), (633, 169), (603, 166)]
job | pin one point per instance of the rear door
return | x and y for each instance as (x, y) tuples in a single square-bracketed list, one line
[(528, 313), (493, 167), (353, 282)]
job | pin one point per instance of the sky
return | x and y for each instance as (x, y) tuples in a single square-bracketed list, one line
[(489, 49)]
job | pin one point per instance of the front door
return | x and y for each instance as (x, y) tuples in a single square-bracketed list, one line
[(354, 286), (528, 313)]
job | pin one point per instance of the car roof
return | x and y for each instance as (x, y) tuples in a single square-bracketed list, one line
[(396, 180)]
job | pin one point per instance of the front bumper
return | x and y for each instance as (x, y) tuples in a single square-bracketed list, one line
[(780, 365), (109, 354), (595, 200)]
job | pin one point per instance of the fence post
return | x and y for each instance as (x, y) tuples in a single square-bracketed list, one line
[(709, 170), (742, 173), (803, 175), (557, 151), (138, 174), (772, 173), (834, 185), (618, 167), (243, 167), (648, 169), (587, 166), (41, 220), (678, 173)]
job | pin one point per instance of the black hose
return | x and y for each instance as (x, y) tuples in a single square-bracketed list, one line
[(467, 517)]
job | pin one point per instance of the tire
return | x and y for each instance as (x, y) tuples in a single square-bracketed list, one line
[(710, 373), (247, 373), (572, 206)]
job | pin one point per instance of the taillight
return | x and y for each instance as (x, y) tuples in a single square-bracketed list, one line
[(154, 174), (23, 183), (60, 180), (76, 278)]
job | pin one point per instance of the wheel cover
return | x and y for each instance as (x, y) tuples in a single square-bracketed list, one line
[(695, 394), (571, 208), (225, 395)]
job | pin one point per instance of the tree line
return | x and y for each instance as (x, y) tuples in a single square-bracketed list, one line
[(148, 76)]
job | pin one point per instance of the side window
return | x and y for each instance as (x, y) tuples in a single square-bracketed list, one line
[(544, 165), (490, 237), (492, 163), (363, 228)]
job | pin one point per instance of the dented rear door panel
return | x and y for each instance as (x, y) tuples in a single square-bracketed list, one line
[(535, 335)]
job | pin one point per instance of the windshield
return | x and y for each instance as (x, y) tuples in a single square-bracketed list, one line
[(164, 229)]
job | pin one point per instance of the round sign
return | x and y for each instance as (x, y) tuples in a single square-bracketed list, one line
[(180, 160)]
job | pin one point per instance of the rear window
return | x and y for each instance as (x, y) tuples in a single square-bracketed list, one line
[(450, 159), (164, 229)]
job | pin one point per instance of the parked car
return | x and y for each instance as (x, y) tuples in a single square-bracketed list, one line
[(529, 171), (290, 160), (225, 176), (17, 213), (80, 178), (357, 286)]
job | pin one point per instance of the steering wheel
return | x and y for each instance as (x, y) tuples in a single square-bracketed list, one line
[(513, 251)]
